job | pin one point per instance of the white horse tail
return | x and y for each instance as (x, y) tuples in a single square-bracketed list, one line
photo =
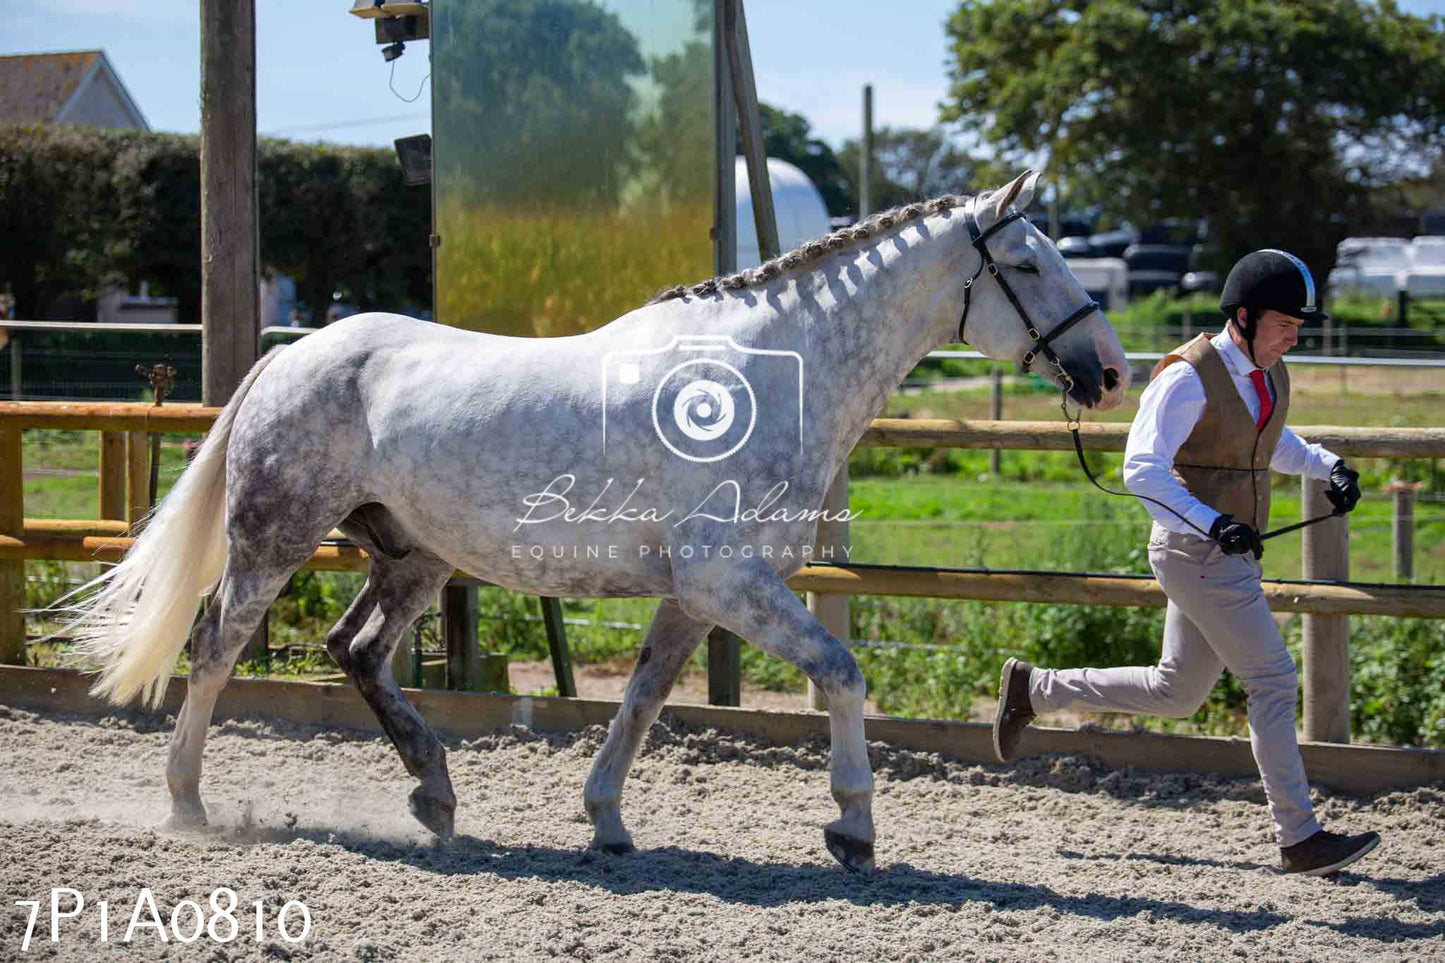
[(139, 614)]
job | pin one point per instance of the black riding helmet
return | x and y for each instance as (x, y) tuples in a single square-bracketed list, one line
[(1269, 280)]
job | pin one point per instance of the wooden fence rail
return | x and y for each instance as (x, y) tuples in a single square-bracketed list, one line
[(86, 541), (886, 432), (108, 540)]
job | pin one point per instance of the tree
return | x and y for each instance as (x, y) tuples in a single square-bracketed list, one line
[(340, 219), (156, 182), (1275, 120), (55, 211), (789, 137), (911, 165)]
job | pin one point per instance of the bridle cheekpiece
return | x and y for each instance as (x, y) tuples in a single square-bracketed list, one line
[(1041, 342)]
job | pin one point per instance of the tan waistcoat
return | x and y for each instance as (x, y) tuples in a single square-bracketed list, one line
[(1225, 461)]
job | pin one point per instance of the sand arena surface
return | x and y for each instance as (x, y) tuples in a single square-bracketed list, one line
[(1054, 859)]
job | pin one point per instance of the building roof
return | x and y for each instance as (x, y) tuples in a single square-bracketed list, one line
[(41, 88)]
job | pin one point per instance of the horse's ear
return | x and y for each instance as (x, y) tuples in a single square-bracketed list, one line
[(1019, 191)]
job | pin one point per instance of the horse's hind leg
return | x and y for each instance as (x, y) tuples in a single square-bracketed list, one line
[(396, 593), (671, 639), (244, 594)]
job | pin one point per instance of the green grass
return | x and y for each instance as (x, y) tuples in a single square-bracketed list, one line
[(76, 454), (958, 520)]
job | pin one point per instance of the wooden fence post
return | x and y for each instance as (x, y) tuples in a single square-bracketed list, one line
[(15, 370), (403, 659), (1325, 555), (137, 479), (724, 668), (494, 673), (995, 411), (112, 475), (1403, 528), (12, 574), (459, 628)]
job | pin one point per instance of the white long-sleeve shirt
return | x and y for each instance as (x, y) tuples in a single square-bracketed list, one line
[(1168, 411)]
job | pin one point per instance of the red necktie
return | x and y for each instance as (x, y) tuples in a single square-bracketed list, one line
[(1266, 403)]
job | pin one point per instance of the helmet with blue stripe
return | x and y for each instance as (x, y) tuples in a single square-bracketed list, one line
[(1271, 280)]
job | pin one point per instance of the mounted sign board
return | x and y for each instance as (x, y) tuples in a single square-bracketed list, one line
[(574, 164)]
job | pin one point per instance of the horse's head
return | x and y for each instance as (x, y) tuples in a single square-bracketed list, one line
[(1026, 305)]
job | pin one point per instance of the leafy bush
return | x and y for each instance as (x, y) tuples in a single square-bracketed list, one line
[(1397, 681)]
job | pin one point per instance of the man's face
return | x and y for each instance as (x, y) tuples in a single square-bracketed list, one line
[(1274, 334)]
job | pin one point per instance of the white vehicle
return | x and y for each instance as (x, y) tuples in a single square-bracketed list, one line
[(1369, 266), (1105, 278), (1425, 277)]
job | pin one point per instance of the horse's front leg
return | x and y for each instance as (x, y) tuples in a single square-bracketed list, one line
[(751, 600), (671, 639)]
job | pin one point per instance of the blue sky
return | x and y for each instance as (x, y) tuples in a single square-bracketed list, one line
[(320, 75)]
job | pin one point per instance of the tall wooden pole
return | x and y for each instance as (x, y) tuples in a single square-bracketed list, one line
[(724, 660), (1326, 555), (750, 126), (230, 245), (865, 157), (230, 238), (725, 118)]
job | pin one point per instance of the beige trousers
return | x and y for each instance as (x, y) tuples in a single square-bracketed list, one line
[(1217, 618)]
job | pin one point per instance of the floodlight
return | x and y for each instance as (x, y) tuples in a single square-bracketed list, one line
[(395, 23)]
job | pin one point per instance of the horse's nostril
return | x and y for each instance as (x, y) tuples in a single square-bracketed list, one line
[(1111, 379)]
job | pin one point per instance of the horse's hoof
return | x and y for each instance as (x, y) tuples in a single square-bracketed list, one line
[(435, 814), (617, 849), (856, 855), (185, 819)]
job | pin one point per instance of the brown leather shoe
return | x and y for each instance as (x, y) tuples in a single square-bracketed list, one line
[(1015, 711), (1326, 852)]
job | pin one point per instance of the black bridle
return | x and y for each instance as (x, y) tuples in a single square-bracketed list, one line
[(1041, 341)]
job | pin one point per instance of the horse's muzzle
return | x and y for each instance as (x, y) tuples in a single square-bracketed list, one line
[(1089, 377)]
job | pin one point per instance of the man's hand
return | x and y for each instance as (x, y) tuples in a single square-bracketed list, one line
[(1236, 538), (1344, 490)]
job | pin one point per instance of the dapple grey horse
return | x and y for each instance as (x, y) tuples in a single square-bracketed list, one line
[(680, 452)]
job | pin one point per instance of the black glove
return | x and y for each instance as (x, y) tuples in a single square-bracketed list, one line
[(1344, 490), (1236, 538)]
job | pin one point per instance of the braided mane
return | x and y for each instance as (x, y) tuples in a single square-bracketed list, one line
[(812, 251)]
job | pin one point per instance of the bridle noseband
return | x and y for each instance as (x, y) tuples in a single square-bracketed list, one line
[(1041, 341)]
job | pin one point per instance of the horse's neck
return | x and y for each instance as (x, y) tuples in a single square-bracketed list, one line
[(906, 303)]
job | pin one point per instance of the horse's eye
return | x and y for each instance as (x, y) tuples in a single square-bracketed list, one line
[(1028, 268)]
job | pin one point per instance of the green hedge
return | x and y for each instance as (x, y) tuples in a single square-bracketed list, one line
[(84, 209)]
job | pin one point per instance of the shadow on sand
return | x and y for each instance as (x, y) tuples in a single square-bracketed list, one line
[(737, 880)]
